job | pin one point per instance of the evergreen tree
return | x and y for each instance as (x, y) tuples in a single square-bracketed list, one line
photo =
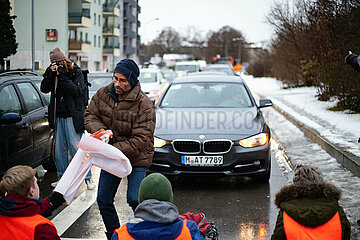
[(8, 44)]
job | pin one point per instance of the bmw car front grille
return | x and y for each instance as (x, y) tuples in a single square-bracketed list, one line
[(217, 146), (186, 146)]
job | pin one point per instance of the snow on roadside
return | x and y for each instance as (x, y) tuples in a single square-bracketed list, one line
[(338, 127)]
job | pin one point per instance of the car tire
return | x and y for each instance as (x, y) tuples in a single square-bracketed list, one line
[(50, 165)]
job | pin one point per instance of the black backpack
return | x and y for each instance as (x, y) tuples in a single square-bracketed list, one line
[(85, 92)]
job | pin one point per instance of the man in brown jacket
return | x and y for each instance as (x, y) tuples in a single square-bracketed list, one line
[(124, 110)]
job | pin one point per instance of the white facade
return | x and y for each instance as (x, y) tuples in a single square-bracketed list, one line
[(80, 28)]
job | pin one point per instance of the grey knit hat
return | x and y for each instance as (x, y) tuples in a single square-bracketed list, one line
[(307, 172), (56, 55)]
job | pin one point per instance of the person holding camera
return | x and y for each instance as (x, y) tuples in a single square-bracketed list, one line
[(64, 79), (353, 60)]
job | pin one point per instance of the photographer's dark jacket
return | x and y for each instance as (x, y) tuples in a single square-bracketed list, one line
[(69, 96), (310, 205), (354, 61), (132, 121)]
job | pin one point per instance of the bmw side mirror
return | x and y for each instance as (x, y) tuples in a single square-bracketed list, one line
[(9, 118), (263, 102)]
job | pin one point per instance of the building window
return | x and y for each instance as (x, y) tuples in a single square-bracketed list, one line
[(94, 40), (72, 35), (86, 38), (94, 18), (80, 37), (99, 20), (99, 42)]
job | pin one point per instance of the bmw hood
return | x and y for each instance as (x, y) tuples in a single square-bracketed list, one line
[(226, 123)]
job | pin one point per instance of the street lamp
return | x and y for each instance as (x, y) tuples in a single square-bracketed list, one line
[(147, 47), (113, 33), (154, 19)]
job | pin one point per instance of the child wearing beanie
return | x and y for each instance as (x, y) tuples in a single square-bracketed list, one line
[(309, 208), (156, 217)]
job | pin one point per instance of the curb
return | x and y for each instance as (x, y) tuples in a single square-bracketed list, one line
[(348, 160)]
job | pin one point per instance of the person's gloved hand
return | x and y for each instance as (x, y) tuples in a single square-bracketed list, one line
[(56, 199)]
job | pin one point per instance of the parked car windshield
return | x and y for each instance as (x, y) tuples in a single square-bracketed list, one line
[(206, 95), (147, 77), (225, 70), (187, 68), (99, 82)]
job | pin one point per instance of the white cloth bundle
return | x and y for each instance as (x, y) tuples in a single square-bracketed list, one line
[(92, 151)]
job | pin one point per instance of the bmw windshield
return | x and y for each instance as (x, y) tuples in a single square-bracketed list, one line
[(206, 95)]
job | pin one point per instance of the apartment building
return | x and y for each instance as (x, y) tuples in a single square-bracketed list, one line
[(96, 34)]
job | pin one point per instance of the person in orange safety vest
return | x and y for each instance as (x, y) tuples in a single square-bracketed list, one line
[(309, 208), (22, 214), (156, 217)]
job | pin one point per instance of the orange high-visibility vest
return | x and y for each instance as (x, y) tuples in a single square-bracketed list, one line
[(123, 234), (21, 227), (331, 230)]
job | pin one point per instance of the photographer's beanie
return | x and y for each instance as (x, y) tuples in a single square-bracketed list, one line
[(129, 69), (56, 55), (155, 186)]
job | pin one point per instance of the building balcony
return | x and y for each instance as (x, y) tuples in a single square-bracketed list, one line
[(108, 51), (138, 9), (108, 11), (129, 33), (79, 47), (129, 50), (110, 31), (77, 20)]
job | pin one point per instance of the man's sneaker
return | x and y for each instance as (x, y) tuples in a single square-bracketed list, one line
[(90, 184), (54, 184)]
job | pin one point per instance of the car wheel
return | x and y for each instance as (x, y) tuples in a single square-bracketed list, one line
[(50, 165)]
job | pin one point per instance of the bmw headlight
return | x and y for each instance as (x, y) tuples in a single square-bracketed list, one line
[(158, 143), (254, 141)]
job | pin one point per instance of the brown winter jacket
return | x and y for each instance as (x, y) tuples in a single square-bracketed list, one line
[(132, 121)]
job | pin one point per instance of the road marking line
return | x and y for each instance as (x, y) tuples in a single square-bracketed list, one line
[(72, 212)]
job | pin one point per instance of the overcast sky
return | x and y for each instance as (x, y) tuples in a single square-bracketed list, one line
[(248, 16)]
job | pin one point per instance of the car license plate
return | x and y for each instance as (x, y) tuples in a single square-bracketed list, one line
[(202, 160)]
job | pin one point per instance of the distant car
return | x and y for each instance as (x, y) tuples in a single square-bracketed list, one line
[(211, 125), (152, 81), (206, 73), (187, 66), (225, 68), (169, 74), (97, 81), (25, 135)]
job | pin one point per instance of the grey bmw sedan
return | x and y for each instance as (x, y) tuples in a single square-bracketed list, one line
[(211, 125)]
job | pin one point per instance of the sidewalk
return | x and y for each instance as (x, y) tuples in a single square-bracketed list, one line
[(336, 132)]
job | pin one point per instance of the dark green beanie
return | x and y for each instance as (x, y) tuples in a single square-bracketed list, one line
[(155, 186)]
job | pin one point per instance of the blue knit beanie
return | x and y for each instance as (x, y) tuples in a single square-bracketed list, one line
[(129, 69)]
